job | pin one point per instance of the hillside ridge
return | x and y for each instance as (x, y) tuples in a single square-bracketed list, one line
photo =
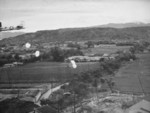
[(81, 34)]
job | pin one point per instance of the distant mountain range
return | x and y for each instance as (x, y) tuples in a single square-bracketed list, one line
[(125, 25), (105, 32)]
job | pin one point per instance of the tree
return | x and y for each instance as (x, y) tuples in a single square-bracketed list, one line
[(57, 54), (89, 44), (17, 57)]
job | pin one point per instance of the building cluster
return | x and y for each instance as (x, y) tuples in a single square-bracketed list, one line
[(92, 58), (13, 64), (113, 103)]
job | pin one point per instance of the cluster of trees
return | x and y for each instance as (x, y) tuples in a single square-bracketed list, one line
[(74, 45), (59, 55), (54, 54), (90, 44), (14, 105), (8, 58), (139, 47)]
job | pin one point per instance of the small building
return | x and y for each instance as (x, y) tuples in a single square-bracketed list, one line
[(8, 65), (18, 63), (105, 55), (146, 51), (25, 56)]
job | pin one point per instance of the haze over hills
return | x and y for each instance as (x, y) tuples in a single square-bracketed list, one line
[(82, 34), (125, 25), (8, 34)]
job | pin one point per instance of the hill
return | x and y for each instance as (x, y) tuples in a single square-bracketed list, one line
[(81, 34)]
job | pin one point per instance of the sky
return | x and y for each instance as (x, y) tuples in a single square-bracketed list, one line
[(54, 14)]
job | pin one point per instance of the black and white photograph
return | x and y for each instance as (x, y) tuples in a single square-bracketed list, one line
[(74, 56)]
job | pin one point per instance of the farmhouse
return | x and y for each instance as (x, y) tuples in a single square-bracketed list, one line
[(8, 65), (18, 63), (105, 55), (84, 58), (25, 56), (92, 58)]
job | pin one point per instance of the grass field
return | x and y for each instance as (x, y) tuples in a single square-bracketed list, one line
[(135, 76), (43, 72), (103, 48)]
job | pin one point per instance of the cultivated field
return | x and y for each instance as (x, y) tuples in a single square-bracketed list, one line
[(43, 72), (135, 76), (46, 72), (106, 48)]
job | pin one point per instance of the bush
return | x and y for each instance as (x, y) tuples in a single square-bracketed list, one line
[(126, 56)]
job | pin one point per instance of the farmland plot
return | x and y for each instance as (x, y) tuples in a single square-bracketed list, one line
[(43, 72), (135, 76), (103, 48)]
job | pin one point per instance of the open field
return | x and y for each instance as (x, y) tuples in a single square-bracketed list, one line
[(42, 72), (135, 76), (106, 48), (45, 72)]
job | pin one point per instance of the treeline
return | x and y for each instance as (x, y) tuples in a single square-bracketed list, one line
[(58, 55), (8, 58), (139, 47), (55, 54)]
